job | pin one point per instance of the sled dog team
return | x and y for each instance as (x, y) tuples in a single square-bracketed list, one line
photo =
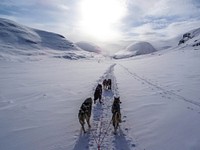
[(86, 107)]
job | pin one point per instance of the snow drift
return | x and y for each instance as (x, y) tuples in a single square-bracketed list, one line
[(140, 48)]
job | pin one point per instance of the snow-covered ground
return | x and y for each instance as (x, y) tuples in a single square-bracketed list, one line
[(40, 100), (161, 99)]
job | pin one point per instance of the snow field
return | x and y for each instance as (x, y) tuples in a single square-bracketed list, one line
[(162, 103), (39, 102)]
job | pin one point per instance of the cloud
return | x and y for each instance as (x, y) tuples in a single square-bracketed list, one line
[(177, 28), (159, 19), (177, 8), (148, 32), (140, 9), (52, 15), (144, 20)]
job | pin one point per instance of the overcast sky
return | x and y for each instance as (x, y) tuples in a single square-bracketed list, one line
[(106, 20)]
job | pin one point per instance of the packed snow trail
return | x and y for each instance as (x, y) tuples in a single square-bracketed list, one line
[(100, 136)]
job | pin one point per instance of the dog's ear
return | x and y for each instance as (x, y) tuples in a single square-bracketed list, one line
[(118, 99), (91, 100)]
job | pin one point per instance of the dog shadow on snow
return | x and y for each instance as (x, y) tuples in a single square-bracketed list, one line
[(82, 143), (121, 142)]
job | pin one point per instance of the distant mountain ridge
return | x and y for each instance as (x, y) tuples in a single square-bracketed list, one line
[(90, 47), (18, 42), (187, 39), (139, 48)]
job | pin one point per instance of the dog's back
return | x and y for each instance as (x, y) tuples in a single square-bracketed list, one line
[(85, 112), (88, 102), (98, 92)]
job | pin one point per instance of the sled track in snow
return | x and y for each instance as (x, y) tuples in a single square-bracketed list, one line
[(100, 136), (160, 88)]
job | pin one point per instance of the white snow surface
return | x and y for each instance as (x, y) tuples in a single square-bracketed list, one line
[(40, 100), (138, 48)]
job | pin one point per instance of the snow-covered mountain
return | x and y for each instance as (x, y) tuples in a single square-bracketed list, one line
[(187, 39), (24, 37), (139, 48), (191, 38), (88, 46), (17, 41)]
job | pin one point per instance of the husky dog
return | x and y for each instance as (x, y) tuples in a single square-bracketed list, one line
[(85, 113), (109, 83), (116, 118), (98, 93), (105, 84)]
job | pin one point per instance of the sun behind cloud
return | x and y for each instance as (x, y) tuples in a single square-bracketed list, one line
[(99, 19)]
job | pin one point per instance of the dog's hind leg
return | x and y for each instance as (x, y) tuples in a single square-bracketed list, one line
[(114, 122), (82, 125), (88, 121), (115, 128), (83, 128)]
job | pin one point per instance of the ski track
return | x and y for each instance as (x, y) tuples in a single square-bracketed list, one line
[(100, 135), (165, 93)]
